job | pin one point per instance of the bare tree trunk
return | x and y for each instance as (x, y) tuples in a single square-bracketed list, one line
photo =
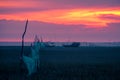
[(22, 52), (23, 39)]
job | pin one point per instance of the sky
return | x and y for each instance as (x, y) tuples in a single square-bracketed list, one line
[(60, 20)]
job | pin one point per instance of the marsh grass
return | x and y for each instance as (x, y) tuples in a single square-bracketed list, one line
[(61, 69)]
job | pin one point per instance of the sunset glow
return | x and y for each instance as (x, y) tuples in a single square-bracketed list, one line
[(84, 16), (75, 14), (68, 17)]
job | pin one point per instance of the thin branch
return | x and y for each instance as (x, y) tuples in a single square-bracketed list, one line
[(23, 38)]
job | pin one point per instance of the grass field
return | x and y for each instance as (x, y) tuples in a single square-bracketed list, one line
[(59, 63)]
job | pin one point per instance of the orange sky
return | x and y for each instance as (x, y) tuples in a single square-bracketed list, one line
[(78, 20), (93, 17)]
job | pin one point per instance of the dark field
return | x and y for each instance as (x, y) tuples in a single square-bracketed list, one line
[(59, 63)]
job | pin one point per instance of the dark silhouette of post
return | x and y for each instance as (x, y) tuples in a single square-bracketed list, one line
[(23, 39)]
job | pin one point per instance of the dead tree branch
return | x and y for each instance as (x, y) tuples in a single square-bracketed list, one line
[(23, 38)]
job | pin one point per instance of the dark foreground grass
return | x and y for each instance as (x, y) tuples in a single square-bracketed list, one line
[(49, 71), (78, 72), (84, 63)]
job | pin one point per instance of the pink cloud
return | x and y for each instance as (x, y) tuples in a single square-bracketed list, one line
[(12, 31)]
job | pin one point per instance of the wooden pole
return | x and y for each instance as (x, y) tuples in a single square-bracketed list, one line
[(23, 39)]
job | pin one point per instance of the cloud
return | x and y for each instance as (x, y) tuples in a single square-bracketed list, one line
[(111, 17), (19, 10), (61, 20), (12, 30), (77, 12), (12, 6), (88, 17), (82, 3)]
